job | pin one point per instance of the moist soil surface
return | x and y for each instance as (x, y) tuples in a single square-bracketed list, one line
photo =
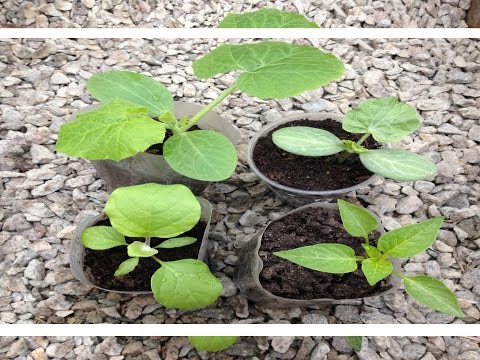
[(309, 227), (311, 173), (100, 265)]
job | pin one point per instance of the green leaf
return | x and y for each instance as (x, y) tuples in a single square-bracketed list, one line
[(358, 222), (410, 240), (176, 242), (432, 293), (355, 342), (201, 154), (272, 69), (330, 258), (140, 249), (185, 284), (153, 210), (353, 148), (127, 266), (398, 165), (266, 18), (102, 238), (387, 119), (376, 270), (133, 87), (114, 131), (212, 343), (372, 251), (307, 141)]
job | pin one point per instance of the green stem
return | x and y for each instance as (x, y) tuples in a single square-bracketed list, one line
[(363, 138), (367, 240), (398, 274), (343, 156), (148, 240), (198, 116), (157, 260), (359, 258)]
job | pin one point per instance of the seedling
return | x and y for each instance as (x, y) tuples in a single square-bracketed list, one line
[(212, 343), (266, 18), (137, 110), (163, 211), (386, 120), (403, 242)]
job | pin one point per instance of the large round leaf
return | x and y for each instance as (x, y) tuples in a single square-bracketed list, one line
[(398, 165), (133, 87), (201, 154), (153, 210), (266, 18), (272, 69), (185, 284)]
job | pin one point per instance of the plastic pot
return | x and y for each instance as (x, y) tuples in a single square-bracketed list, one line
[(249, 266), (293, 196), (77, 250), (145, 168)]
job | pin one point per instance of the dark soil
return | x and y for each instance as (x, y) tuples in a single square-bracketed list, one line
[(100, 265), (311, 173), (157, 149), (309, 227)]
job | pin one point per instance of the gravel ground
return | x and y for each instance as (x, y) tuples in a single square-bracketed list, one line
[(44, 194), (288, 347), (194, 13)]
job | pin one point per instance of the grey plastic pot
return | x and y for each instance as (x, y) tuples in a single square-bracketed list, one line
[(249, 266), (77, 250), (293, 196), (150, 168)]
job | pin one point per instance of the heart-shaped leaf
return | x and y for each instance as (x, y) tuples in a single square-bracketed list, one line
[(212, 343), (115, 131), (127, 266), (140, 249), (358, 222), (176, 242), (201, 154), (102, 238), (307, 141), (376, 270), (272, 69), (266, 18)]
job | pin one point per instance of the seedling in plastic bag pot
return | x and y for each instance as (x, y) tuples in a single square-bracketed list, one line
[(137, 110), (266, 18), (403, 242), (386, 120), (212, 343), (163, 211)]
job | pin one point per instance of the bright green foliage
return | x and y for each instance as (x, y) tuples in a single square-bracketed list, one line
[(372, 251), (432, 293), (115, 131), (185, 284), (355, 342), (127, 266), (387, 119), (330, 258), (398, 165), (140, 249), (358, 222), (212, 343), (306, 141), (376, 270), (133, 87), (201, 154), (272, 69), (102, 238), (153, 210), (353, 148), (266, 18), (410, 240), (176, 242)]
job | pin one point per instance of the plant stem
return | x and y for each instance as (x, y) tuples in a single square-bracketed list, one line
[(363, 138), (198, 116), (343, 156), (398, 274), (367, 240), (157, 260), (147, 240), (359, 258)]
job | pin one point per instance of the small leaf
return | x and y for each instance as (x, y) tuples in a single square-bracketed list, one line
[(358, 222), (410, 240), (330, 258), (432, 293), (307, 141), (355, 342), (114, 131), (387, 119), (372, 251), (353, 148), (185, 284), (376, 270), (153, 210), (212, 343), (140, 249), (272, 69), (133, 87), (102, 238), (398, 165), (266, 18), (201, 154), (176, 242), (127, 266)]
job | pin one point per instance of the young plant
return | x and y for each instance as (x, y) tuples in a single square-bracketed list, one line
[(386, 120), (266, 18), (212, 343), (163, 211), (137, 110), (403, 242)]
